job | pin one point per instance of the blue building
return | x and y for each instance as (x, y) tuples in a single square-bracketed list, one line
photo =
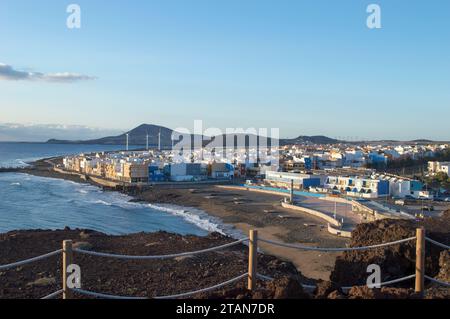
[(375, 158), (155, 174), (283, 179), (308, 163)]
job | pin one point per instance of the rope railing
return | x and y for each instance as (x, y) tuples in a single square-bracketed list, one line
[(53, 295), (264, 277), (103, 296), (129, 257), (437, 243), (436, 281), (31, 260), (186, 294), (252, 274), (386, 283), (394, 281), (309, 248)]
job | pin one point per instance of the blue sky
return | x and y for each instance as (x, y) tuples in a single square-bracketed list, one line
[(307, 67)]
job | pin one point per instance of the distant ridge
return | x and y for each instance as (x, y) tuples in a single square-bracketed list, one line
[(138, 136)]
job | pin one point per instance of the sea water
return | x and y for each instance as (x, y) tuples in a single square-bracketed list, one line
[(32, 202)]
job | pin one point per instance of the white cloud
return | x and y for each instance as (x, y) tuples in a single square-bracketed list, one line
[(8, 73)]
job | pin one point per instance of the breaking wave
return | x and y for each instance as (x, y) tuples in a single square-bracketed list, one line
[(200, 218), (48, 203)]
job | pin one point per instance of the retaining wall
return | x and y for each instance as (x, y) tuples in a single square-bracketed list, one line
[(339, 232), (313, 212)]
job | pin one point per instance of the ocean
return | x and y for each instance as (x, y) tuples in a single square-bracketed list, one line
[(31, 202)]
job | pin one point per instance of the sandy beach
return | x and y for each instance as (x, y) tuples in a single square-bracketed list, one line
[(263, 212)]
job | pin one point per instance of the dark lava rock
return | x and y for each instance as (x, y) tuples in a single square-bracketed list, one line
[(364, 292), (287, 288), (336, 295), (444, 264), (325, 288), (396, 261)]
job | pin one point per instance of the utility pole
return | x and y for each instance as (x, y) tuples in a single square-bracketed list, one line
[(159, 140), (147, 142), (335, 208), (127, 142), (292, 192)]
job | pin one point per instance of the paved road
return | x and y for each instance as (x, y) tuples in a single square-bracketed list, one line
[(328, 207)]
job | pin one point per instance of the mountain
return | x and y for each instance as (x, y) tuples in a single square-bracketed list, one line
[(318, 139), (138, 136)]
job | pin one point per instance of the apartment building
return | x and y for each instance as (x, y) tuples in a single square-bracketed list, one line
[(284, 180), (439, 167), (185, 172), (222, 171), (401, 186), (358, 186), (134, 172)]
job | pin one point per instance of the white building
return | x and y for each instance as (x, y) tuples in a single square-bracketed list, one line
[(438, 167)]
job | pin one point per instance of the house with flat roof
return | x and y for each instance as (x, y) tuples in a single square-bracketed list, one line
[(284, 180), (358, 186), (439, 167)]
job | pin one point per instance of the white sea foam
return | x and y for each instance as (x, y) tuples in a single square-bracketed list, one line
[(99, 201), (95, 196), (200, 218)]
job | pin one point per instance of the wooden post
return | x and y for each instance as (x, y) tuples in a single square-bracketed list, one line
[(67, 260), (420, 261), (252, 259)]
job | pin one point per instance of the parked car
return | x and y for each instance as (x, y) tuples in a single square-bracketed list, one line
[(400, 202)]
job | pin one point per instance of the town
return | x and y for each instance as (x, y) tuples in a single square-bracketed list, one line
[(361, 171)]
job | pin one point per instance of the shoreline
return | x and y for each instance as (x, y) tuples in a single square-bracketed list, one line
[(262, 212)]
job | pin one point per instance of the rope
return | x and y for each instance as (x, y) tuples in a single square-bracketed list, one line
[(93, 253), (264, 277), (186, 294), (103, 296), (437, 243), (446, 284), (390, 282), (28, 261), (335, 249), (106, 296), (53, 294)]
